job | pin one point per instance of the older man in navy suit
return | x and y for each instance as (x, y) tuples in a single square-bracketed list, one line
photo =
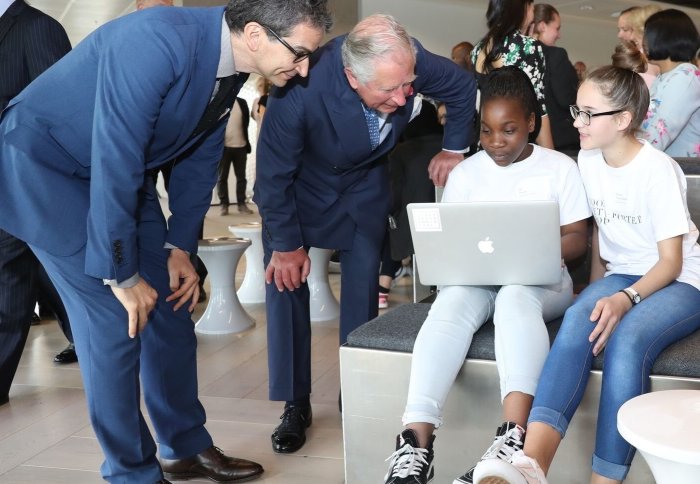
[(322, 181), (141, 90)]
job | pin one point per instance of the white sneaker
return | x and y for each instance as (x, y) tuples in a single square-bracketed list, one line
[(520, 470), (528, 468), (509, 439)]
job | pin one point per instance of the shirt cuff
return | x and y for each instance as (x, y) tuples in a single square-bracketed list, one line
[(462, 151), (125, 284), (168, 245)]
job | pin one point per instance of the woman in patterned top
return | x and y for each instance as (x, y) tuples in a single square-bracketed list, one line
[(672, 123), (505, 45)]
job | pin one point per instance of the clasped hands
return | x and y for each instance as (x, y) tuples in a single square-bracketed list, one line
[(140, 299)]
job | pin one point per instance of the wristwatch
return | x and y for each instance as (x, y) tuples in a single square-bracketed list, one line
[(632, 294)]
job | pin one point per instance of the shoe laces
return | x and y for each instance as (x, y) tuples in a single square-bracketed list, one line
[(504, 446), (407, 461), (291, 416)]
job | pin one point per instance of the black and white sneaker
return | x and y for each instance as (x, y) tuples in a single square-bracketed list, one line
[(509, 439), (410, 464)]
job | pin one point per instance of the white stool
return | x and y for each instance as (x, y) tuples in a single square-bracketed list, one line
[(664, 427), (224, 313), (252, 290), (324, 305)]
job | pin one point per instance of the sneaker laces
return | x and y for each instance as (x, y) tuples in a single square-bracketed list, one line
[(407, 461), (504, 446)]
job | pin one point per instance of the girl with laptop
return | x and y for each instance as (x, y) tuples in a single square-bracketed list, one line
[(509, 169), (645, 280)]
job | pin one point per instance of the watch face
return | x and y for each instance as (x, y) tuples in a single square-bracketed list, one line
[(637, 298)]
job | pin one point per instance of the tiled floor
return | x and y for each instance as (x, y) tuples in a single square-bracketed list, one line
[(45, 436)]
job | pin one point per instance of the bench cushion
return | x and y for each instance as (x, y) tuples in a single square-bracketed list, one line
[(397, 329)]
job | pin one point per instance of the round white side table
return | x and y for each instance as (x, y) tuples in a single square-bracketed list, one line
[(224, 313), (324, 305), (664, 427), (252, 290)]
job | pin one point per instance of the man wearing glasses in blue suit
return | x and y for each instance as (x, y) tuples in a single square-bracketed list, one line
[(140, 91)]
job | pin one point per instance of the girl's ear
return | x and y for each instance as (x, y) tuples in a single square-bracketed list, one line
[(531, 123), (623, 120)]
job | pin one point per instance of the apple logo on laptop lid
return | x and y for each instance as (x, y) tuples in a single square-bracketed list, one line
[(486, 246)]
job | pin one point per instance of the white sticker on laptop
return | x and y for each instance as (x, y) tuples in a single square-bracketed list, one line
[(427, 220)]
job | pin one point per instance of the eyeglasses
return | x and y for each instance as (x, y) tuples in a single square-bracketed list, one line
[(299, 55), (586, 116)]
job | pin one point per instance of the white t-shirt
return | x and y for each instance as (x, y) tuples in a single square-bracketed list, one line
[(636, 206), (544, 175)]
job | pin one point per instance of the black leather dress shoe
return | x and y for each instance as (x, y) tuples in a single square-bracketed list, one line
[(290, 435), (67, 356), (213, 465)]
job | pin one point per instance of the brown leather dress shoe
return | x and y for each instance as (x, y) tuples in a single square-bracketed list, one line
[(212, 464)]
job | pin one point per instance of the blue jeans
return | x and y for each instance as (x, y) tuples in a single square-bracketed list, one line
[(665, 317)]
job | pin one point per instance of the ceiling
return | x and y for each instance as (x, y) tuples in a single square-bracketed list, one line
[(80, 17)]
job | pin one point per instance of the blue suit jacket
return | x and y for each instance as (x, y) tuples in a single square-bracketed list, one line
[(317, 178), (124, 100)]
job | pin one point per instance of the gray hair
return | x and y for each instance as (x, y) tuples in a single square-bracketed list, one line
[(374, 38), (279, 15)]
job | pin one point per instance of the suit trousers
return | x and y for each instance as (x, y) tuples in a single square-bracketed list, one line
[(237, 157), (162, 359), (22, 279), (289, 319), (18, 275)]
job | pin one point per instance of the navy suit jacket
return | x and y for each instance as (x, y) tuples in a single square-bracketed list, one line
[(30, 41), (317, 178), (126, 99)]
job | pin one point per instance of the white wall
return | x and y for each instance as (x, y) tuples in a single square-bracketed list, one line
[(440, 24)]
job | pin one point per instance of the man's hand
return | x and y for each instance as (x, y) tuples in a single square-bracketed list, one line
[(441, 165), (138, 301), (608, 312), (288, 269), (184, 281)]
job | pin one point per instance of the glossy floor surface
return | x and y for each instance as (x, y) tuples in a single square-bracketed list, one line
[(45, 435)]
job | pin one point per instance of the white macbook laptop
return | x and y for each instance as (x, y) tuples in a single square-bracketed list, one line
[(486, 243)]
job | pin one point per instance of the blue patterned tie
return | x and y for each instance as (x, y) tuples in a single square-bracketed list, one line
[(373, 125)]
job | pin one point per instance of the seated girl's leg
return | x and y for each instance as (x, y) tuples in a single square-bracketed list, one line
[(663, 318), (521, 339), (567, 367), (441, 347)]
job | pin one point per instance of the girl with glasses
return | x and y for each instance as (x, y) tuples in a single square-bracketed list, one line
[(645, 280)]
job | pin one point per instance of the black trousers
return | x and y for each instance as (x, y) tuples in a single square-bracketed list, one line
[(237, 157), (21, 277)]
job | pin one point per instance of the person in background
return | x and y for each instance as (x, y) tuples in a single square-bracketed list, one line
[(409, 180), (630, 27), (257, 111), (30, 42), (581, 69), (644, 293), (236, 150), (507, 164), (322, 181), (560, 80), (505, 44), (461, 55), (77, 143), (672, 123)]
